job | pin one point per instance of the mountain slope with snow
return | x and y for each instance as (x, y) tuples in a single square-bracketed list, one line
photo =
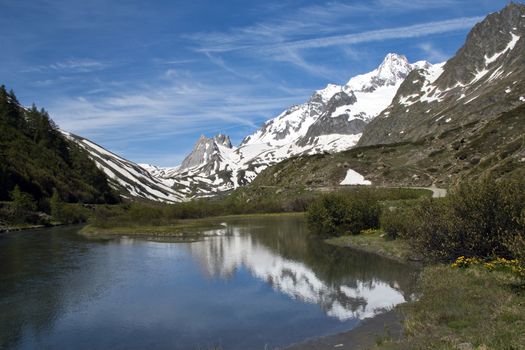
[(130, 179), (485, 78), (447, 123), (332, 120)]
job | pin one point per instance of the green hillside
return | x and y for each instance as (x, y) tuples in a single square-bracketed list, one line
[(495, 147), (35, 156)]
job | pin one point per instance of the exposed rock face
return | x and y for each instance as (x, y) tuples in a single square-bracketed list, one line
[(204, 151), (475, 150), (485, 78), (335, 120), (332, 125)]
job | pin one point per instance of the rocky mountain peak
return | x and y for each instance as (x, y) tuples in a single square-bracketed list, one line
[(393, 68), (204, 150), (223, 140), (484, 79), (391, 71), (487, 44)]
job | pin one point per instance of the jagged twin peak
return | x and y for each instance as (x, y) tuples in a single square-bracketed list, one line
[(330, 121), (205, 151), (485, 78)]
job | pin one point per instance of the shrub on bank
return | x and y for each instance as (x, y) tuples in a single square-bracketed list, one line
[(66, 213), (398, 222), (477, 219), (338, 214)]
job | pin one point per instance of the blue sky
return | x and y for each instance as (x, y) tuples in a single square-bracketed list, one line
[(146, 78)]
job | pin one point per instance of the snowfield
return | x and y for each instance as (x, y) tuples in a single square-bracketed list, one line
[(354, 178)]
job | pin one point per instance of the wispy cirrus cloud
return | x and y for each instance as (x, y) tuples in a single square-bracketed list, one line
[(264, 42), (173, 61), (224, 42), (82, 65), (176, 108), (330, 17), (412, 31), (412, 5), (294, 57), (219, 62), (287, 38), (433, 53), (78, 65)]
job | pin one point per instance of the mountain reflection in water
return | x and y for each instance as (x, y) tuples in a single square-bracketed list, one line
[(303, 268)]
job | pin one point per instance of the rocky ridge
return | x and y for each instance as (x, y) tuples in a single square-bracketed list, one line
[(485, 78)]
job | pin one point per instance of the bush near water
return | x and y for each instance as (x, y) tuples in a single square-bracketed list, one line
[(483, 219)]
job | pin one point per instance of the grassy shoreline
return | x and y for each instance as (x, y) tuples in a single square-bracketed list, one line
[(16, 228), (375, 243), (472, 308), (8, 229), (463, 309), (185, 228)]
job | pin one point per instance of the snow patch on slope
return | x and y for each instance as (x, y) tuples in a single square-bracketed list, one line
[(510, 47), (354, 178)]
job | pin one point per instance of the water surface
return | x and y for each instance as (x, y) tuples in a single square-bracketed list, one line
[(262, 283)]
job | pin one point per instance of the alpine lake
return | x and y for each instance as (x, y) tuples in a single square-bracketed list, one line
[(249, 283)]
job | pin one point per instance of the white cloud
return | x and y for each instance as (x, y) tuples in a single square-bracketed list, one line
[(72, 65), (219, 62), (294, 57), (432, 53), (286, 39), (176, 108), (173, 61), (412, 5), (413, 31), (218, 42), (78, 64)]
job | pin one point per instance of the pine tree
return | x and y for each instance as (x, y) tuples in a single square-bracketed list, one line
[(57, 206), (23, 204), (10, 109)]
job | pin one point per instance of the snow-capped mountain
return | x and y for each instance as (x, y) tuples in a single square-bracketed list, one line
[(330, 121), (362, 99), (448, 123), (485, 78)]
